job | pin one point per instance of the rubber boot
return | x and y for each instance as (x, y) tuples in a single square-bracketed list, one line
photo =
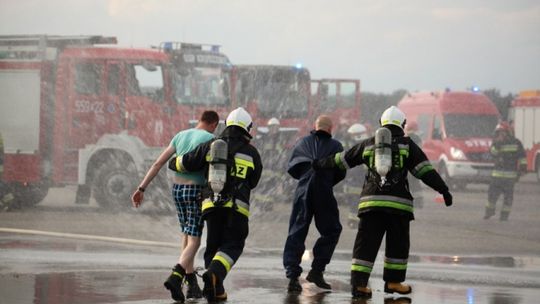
[(213, 289), (174, 283), (193, 289), (317, 278), (359, 292), (400, 288), (294, 286)]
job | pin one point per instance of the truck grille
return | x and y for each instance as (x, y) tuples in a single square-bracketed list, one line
[(483, 157)]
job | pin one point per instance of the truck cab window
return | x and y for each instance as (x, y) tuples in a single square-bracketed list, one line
[(437, 133), (146, 80), (88, 78)]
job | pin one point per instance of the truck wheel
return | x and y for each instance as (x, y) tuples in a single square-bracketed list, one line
[(114, 182)]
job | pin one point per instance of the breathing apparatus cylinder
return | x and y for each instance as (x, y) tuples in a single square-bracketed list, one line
[(217, 172), (383, 152)]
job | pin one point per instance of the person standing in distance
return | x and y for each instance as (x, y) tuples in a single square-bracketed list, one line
[(186, 193), (226, 205), (509, 161), (386, 205), (314, 198)]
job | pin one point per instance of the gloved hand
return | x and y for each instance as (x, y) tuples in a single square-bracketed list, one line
[(447, 199)]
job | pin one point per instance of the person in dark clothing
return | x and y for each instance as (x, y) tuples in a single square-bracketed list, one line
[(314, 198), (225, 211), (509, 161), (386, 205)]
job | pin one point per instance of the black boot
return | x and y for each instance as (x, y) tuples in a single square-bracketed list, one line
[(317, 278), (359, 292), (193, 290), (174, 283), (294, 286), (213, 289), (489, 213)]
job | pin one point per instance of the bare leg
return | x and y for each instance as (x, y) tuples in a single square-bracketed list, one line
[(187, 258)]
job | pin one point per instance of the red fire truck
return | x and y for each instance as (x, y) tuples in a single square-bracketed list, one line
[(339, 98), (75, 113), (526, 120)]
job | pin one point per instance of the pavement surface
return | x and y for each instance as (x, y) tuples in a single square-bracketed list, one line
[(58, 252)]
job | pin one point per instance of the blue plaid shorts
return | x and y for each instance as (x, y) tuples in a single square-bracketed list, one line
[(188, 208)]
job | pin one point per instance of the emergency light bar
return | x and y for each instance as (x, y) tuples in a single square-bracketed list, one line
[(168, 46)]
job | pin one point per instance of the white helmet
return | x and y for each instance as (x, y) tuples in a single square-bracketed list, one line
[(273, 122), (356, 129), (393, 116), (239, 117)]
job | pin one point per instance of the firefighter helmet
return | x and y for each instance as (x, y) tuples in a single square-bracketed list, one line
[(357, 131), (393, 116), (503, 126), (273, 122), (240, 117)]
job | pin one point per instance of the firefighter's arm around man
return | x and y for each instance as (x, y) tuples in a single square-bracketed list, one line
[(195, 160), (421, 168)]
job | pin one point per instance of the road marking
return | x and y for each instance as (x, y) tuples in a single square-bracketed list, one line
[(89, 237)]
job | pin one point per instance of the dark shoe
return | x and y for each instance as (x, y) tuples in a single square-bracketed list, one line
[(503, 217), (317, 278), (294, 286), (193, 289), (359, 292), (174, 283), (213, 289), (400, 288)]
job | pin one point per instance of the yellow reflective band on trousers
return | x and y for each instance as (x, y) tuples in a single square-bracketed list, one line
[(395, 266), (242, 207), (387, 204), (178, 274), (361, 268), (224, 259), (504, 174)]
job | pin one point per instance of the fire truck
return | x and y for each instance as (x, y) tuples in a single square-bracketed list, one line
[(268, 91), (74, 111), (338, 98), (525, 111)]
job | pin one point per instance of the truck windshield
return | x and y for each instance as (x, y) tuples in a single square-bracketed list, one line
[(281, 93), (201, 85), (469, 125)]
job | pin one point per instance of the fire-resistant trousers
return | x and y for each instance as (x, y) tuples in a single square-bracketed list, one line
[(498, 186), (227, 231), (371, 230)]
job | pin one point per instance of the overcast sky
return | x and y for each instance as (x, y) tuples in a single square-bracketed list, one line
[(389, 45)]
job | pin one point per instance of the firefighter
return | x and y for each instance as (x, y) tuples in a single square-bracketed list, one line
[(509, 161), (352, 186), (411, 130), (386, 205), (225, 205), (6, 197), (314, 198)]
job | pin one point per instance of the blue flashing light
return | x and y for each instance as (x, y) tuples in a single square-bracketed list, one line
[(298, 65), (167, 46), (475, 89)]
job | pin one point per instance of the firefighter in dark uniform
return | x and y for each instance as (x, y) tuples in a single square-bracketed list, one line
[(271, 147), (226, 213), (509, 161), (352, 186), (6, 197), (386, 205)]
